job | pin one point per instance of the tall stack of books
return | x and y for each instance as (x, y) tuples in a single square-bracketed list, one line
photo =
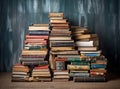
[(61, 43), (36, 45), (20, 73), (90, 55), (35, 50)]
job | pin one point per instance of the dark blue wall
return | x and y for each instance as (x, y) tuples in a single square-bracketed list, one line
[(100, 16)]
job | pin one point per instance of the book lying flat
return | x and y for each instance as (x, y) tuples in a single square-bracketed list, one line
[(87, 43), (78, 67), (65, 52), (56, 14), (89, 79)]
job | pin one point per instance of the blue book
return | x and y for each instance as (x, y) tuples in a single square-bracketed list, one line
[(98, 66), (91, 54)]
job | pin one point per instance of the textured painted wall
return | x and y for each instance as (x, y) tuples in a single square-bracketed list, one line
[(100, 16)]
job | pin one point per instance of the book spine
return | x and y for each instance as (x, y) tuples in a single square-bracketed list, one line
[(35, 47), (28, 59), (36, 37), (72, 59), (60, 65), (89, 79), (79, 74), (78, 67), (98, 66), (80, 63), (38, 33), (91, 54)]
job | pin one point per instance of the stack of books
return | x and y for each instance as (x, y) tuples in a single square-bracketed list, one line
[(35, 51), (71, 52), (98, 68), (90, 56), (20, 73), (41, 73), (60, 72), (61, 43)]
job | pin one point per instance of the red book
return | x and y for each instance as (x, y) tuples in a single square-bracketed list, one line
[(42, 67), (35, 41), (60, 59), (36, 37), (19, 66)]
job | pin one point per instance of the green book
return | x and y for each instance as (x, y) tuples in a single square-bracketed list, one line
[(73, 59), (80, 63)]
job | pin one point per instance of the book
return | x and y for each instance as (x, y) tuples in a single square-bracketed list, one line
[(80, 63), (56, 14), (60, 27), (19, 76), (97, 73), (86, 36), (36, 37), (98, 66), (89, 79), (64, 52), (60, 65), (38, 28), (61, 48), (34, 52), (56, 17), (31, 59), (41, 25), (58, 20), (68, 56), (59, 38), (87, 43), (103, 70), (62, 24), (79, 74), (78, 67), (40, 47), (34, 56), (91, 53), (35, 63), (39, 32), (61, 72), (62, 44), (76, 32), (61, 77), (88, 48)]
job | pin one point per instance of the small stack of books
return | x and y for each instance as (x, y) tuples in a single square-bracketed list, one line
[(87, 44), (41, 73), (78, 68), (20, 73), (60, 73), (98, 68)]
